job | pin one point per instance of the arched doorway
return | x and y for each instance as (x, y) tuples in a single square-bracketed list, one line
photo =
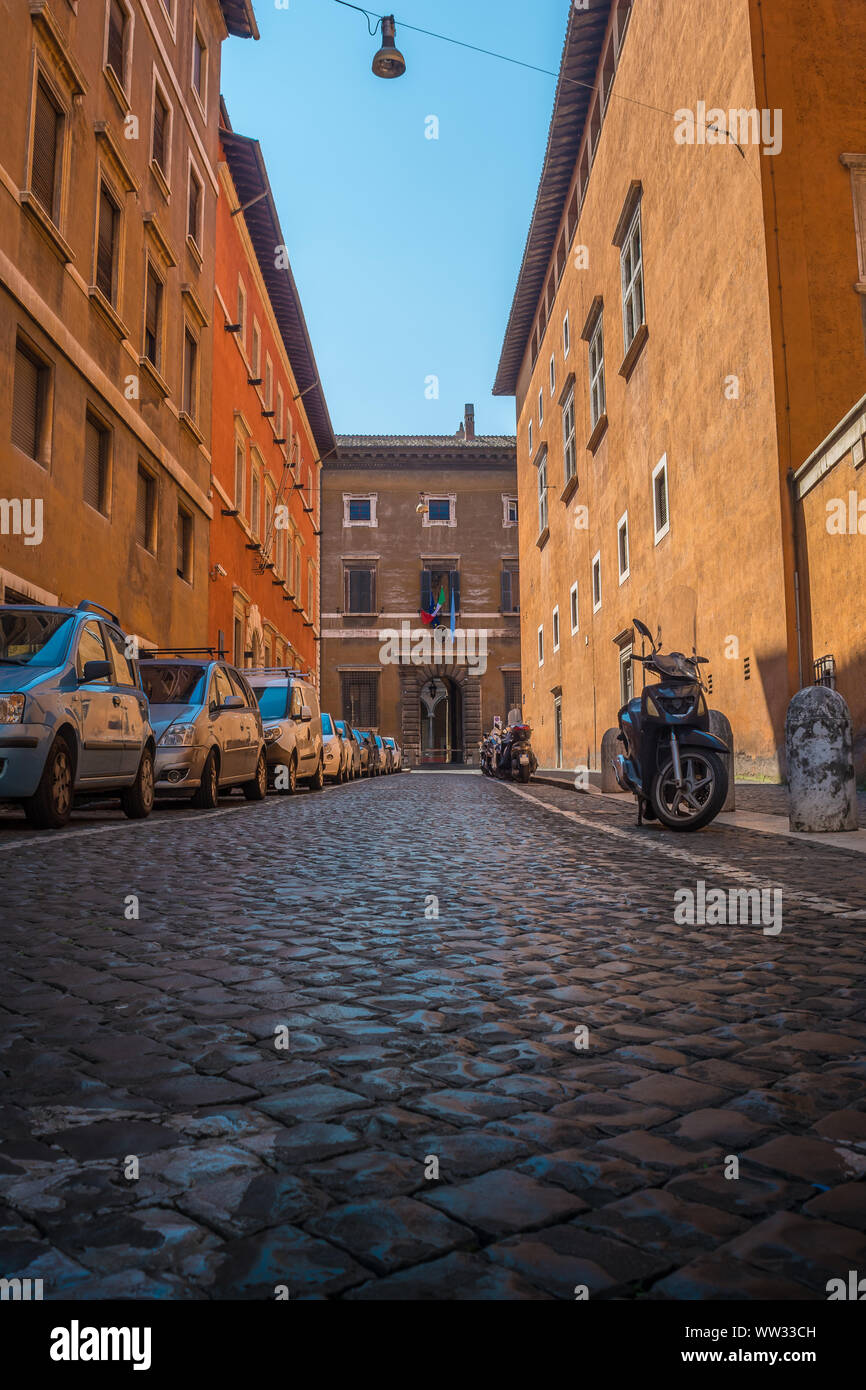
[(441, 719)]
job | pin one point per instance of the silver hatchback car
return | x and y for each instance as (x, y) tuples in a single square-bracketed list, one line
[(208, 728)]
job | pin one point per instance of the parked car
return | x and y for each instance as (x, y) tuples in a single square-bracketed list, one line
[(386, 762), (336, 753), (353, 750), (289, 706), (209, 730), (362, 741), (396, 754), (73, 716)]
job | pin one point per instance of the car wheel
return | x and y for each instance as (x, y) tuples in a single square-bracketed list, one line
[(317, 781), (208, 794), (137, 801), (257, 789), (50, 806)]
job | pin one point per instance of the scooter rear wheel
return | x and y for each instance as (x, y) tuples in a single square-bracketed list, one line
[(701, 798)]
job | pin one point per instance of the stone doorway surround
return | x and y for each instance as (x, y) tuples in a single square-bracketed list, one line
[(412, 680)]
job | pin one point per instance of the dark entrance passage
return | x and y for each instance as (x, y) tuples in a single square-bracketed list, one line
[(441, 718)]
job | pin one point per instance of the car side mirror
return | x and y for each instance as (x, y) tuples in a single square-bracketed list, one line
[(306, 713), (233, 702), (95, 671)]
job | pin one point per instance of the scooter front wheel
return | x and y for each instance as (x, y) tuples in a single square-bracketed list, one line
[(699, 798)]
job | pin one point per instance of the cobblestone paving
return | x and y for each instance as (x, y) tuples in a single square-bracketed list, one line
[(148, 1045)]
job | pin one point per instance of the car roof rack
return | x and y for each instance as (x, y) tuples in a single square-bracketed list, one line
[(275, 671), (88, 605), (159, 653)]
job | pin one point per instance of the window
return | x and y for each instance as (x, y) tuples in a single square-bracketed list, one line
[(556, 629), (566, 337), (359, 511), (596, 582), (541, 646), (97, 455), (440, 580), (298, 565), (184, 544), (440, 509), (30, 404), (311, 591), (240, 473), (510, 582), (124, 670), (194, 207), (542, 493), (190, 374), (631, 267), (116, 55), (106, 244), (281, 411), (269, 384), (256, 359), (626, 675), (91, 647), (569, 453), (254, 501), (145, 510), (540, 409), (513, 695), (153, 318), (661, 510), (529, 439), (622, 547), (552, 374), (359, 692), (359, 587), (199, 66), (557, 730), (575, 609), (242, 314), (238, 640), (596, 373), (161, 132), (45, 160), (509, 510)]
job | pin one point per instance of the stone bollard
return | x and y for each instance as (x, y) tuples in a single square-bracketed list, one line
[(819, 749), (721, 727), (610, 746)]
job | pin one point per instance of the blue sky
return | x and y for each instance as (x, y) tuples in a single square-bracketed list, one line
[(405, 249)]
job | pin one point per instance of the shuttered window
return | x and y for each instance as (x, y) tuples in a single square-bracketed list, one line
[(145, 510), (194, 212), (184, 544), (254, 504), (28, 401), (510, 587), (360, 582), (153, 318), (438, 582), (46, 149), (199, 64), (96, 453), (106, 244), (117, 22), (190, 373), (240, 470), (160, 131)]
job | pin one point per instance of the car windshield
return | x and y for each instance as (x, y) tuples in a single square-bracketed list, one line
[(340, 726), (29, 637), (173, 683), (327, 726), (273, 700)]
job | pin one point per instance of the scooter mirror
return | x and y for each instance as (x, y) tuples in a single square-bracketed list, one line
[(642, 628)]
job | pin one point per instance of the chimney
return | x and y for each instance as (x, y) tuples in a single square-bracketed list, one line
[(469, 421)]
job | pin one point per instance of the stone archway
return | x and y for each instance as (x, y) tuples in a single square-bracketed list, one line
[(466, 690)]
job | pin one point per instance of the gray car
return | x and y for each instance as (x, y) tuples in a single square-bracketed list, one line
[(73, 716), (289, 707), (209, 730), (353, 751)]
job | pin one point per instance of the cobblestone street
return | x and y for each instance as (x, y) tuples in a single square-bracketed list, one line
[(157, 1141)]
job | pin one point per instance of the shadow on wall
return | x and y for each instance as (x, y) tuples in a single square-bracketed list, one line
[(851, 684)]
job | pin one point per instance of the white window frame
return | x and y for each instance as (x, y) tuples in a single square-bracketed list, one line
[(507, 499), (371, 497), (661, 532), (596, 569), (529, 438), (256, 366), (574, 608), (243, 313), (240, 444), (540, 645), (541, 480), (540, 408), (200, 97), (555, 628), (597, 392), (163, 176), (552, 374), (566, 335), (123, 78), (569, 442), (632, 282), (450, 498), (193, 171), (622, 525)]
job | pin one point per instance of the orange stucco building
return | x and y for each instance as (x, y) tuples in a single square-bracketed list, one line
[(270, 429), (687, 329)]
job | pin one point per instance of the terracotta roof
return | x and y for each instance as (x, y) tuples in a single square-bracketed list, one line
[(239, 18), (425, 441), (580, 57), (250, 177)]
